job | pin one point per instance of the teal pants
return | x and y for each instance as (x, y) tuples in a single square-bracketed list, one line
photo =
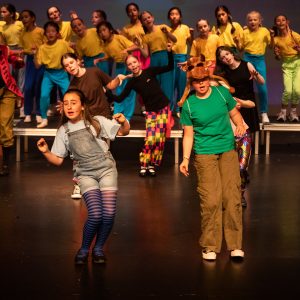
[(51, 78), (259, 63), (127, 106), (103, 65), (179, 81)]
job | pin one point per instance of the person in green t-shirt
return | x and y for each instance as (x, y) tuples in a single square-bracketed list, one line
[(206, 117)]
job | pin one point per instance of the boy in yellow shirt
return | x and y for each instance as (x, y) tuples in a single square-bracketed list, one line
[(49, 55)]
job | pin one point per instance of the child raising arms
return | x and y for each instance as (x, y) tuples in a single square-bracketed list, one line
[(158, 116), (155, 44), (184, 36), (88, 45), (206, 44), (254, 43), (134, 32), (49, 55), (117, 46), (230, 32), (83, 136), (286, 45), (31, 39)]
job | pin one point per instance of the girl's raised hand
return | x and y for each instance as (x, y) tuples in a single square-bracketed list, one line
[(137, 41), (73, 14), (164, 29), (97, 60), (59, 107), (277, 52), (123, 77), (42, 145), (120, 118), (253, 74)]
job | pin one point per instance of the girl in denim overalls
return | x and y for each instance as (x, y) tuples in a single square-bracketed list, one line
[(84, 136)]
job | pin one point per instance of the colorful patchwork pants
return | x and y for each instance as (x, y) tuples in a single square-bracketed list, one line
[(156, 127)]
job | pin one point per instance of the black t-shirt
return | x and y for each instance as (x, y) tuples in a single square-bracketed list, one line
[(148, 87)]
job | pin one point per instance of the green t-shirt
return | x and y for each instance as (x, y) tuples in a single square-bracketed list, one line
[(211, 122)]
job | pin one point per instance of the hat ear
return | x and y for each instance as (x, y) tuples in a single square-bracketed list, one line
[(185, 94), (222, 81)]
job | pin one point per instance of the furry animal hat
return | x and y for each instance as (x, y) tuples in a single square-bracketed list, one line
[(198, 68)]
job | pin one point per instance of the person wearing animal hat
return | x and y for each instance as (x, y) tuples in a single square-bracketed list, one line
[(207, 131)]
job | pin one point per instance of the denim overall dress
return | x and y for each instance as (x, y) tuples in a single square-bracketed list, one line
[(94, 168)]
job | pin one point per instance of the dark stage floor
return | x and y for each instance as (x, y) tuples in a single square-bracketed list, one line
[(153, 252)]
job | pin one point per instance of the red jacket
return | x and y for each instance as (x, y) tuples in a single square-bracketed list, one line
[(5, 72)]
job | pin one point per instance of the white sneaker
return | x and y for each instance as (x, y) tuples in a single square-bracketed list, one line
[(27, 119), (293, 117), (39, 119), (143, 171), (143, 110), (209, 255), (151, 171), (237, 254), (76, 192), (281, 116), (265, 118), (43, 124)]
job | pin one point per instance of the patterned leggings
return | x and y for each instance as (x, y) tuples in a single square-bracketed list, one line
[(243, 147), (156, 127)]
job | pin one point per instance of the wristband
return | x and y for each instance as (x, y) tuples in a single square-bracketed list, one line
[(186, 157)]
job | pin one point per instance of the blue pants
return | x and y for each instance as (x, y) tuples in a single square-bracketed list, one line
[(179, 81), (103, 65), (258, 61), (127, 106), (32, 87), (50, 78), (160, 58)]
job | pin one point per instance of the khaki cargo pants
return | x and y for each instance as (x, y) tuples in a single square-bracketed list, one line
[(220, 200)]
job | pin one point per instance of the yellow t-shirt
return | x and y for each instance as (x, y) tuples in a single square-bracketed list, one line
[(12, 33), (224, 33), (114, 48), (133, 31), (2, 23), (32, 39), (157, 40), (207, 47), (286, 44), (65, 30), (50, 55), (182, 34), (256, 42), (89, 45)]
